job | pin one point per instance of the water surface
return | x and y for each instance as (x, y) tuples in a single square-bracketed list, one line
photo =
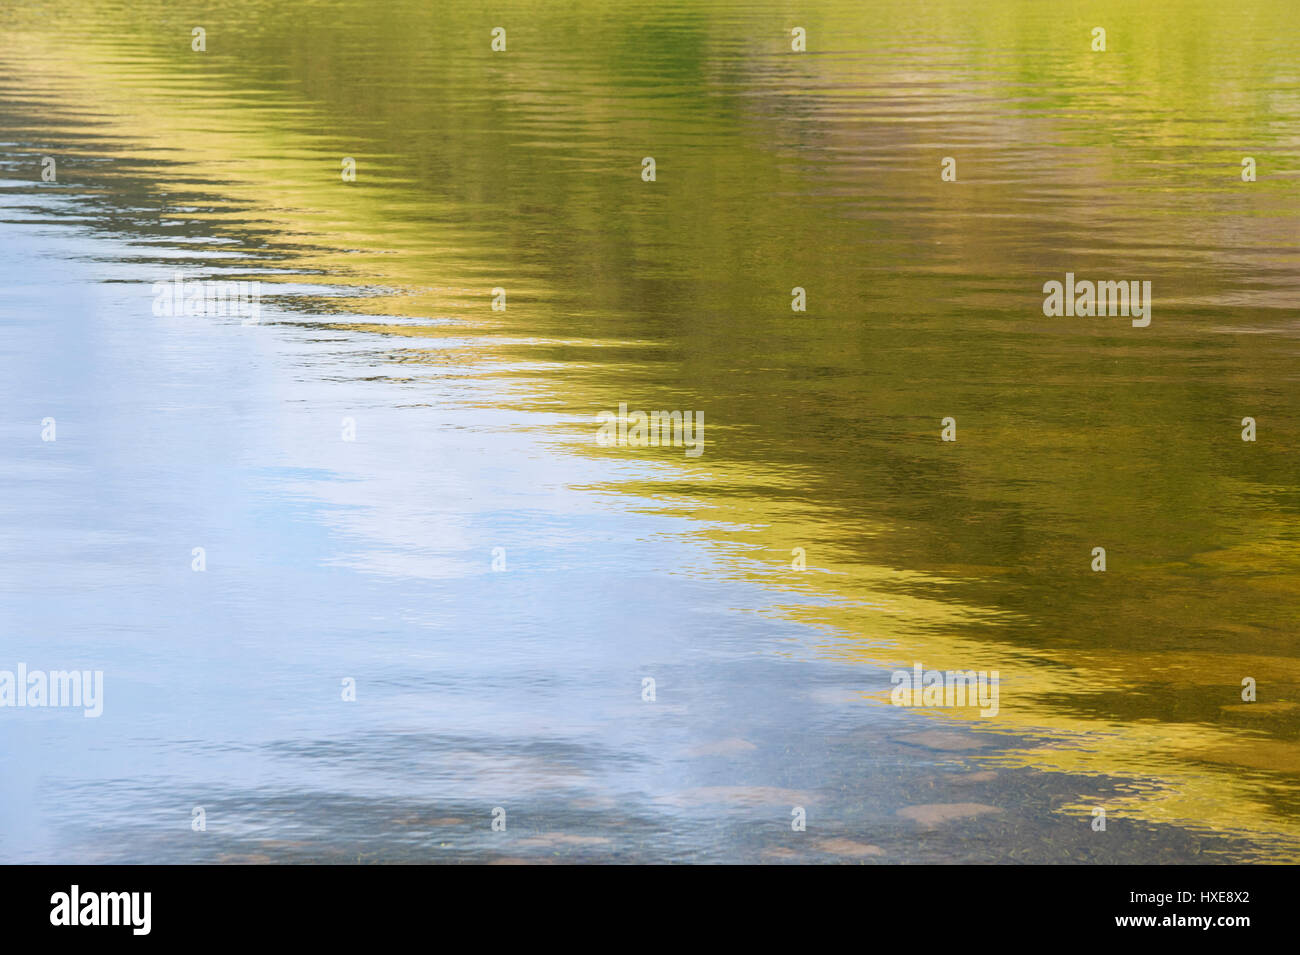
[(372, 559)]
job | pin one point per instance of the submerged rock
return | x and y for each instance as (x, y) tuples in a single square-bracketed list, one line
[(847, 847), (938, 813), (942, 740)]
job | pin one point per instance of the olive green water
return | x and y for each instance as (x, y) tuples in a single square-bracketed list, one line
[(522, 170)]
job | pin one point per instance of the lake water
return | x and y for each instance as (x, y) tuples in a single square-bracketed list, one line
[(399, 492)]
